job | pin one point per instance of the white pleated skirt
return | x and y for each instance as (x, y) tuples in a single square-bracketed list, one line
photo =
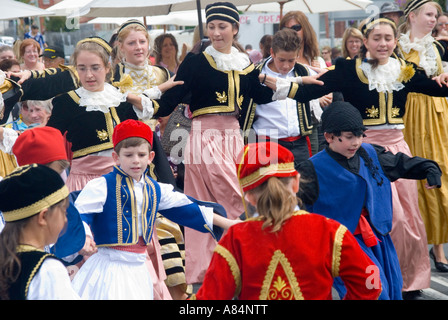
[(114, 275)]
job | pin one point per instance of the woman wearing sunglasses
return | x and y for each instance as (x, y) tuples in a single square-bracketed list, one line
[(298, 21)]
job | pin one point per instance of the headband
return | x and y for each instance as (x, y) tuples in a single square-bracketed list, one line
[(98, 41), (129, 23), (374, 22), (414, 5)]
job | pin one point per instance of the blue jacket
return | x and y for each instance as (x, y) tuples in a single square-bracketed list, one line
[(343, 194)]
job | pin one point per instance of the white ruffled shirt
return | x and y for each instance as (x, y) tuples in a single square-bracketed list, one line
[(112, 97), (425, 49), (235, 60), (100, 100), (383, 78)]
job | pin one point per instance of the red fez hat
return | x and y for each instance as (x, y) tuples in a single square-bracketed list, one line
[(132, 128), (260, 161), (39, 145)]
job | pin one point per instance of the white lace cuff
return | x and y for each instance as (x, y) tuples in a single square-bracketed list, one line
[(9, 138), (148, 109), (153, 93), (283, 86), (295, 79)]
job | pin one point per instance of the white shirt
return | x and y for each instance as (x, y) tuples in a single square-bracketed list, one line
[(93, 197), (51, 283), (277, 119)]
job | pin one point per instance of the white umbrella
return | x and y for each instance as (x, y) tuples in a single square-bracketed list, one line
[(119, 8), (134, 8), (308, 6), (185, 18), (67, 7), (14, 9)]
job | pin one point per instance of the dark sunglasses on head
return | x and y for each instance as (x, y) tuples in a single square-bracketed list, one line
[(296, 27)]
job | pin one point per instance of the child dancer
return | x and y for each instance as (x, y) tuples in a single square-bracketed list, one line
[(297, 253), (350, 182), (33, 222), (120, 208)]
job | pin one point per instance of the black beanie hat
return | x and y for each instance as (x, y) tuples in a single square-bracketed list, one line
[(222, 11), (342, 116), (30, 189)]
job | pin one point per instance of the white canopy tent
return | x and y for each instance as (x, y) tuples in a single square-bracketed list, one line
[(15, 9), (117, 8), (308, 6), (187, 18), (68, 7), (134, 8)]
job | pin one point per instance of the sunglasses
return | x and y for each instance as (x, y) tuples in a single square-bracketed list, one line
[(296, 27)]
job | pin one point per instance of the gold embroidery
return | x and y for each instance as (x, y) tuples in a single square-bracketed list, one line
[(240, 101), (92, 149), (280, 288), (153, 208), (395, 112), (221, 97), (119, 209), (264, 171), (373, 112), (337, 250), (279, 284), (233, 265), (102, 134)]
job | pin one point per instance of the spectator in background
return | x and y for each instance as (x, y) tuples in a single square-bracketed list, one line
[(392, 11), (29, 52), (326, 55), (441, 30), (265, 46), (36, 35), (335, 53), (6, 52), (351, 43), (255, 56), (14, 66), (53, 56), (166, 52), (10, 65)]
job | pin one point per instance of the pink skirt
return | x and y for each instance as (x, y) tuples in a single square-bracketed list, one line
[(408, 229), (84, 169), (210, 175)]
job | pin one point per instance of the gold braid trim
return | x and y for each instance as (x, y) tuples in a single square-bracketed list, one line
[(233, 265), (36, 207), (277, 258), (337, 250), (33, 273), (266, 171)]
